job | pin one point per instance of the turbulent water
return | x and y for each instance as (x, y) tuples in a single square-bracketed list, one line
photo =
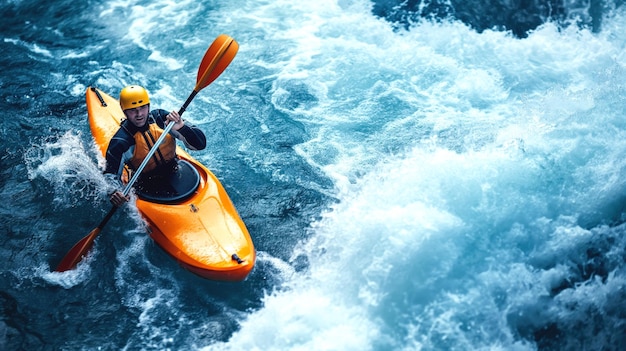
[(415, 175)]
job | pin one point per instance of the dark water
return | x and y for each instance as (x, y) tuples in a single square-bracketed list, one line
[(518, 17), (408, 184)]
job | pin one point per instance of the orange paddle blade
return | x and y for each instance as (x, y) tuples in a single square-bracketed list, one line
[(82, 247), (219, 55), (77, 252)]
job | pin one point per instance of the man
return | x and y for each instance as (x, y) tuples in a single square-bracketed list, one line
[(136, 136)]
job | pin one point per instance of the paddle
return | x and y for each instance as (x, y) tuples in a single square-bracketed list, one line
[(217, 57)]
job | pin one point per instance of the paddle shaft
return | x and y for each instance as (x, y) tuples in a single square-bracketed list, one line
[(207, 73), (107, 217)]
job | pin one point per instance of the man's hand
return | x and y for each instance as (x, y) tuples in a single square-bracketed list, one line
[(118, 199), (175, 117)]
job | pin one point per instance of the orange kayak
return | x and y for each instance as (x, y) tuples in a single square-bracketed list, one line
[(200, 228)]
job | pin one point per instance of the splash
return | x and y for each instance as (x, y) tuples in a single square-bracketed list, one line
[(71, 278), (67, 169)]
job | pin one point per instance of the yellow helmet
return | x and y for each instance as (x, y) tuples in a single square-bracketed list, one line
[(133, 96)]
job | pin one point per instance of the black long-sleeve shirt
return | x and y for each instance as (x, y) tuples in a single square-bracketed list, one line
[(122, 145)]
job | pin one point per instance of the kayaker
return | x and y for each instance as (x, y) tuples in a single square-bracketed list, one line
[(135, 137)]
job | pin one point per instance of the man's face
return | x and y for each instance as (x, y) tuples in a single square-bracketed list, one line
[(138, 115)]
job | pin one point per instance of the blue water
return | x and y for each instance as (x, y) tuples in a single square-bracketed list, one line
[(415, 175)]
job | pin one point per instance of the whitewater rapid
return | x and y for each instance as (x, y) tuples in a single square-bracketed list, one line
[(479, 179), (419, 187)]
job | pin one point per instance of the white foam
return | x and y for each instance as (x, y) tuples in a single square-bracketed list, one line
[(73, 277), (68, 168), (455, 155)]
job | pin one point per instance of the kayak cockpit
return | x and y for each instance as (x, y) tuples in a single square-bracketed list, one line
[(179, 186)]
